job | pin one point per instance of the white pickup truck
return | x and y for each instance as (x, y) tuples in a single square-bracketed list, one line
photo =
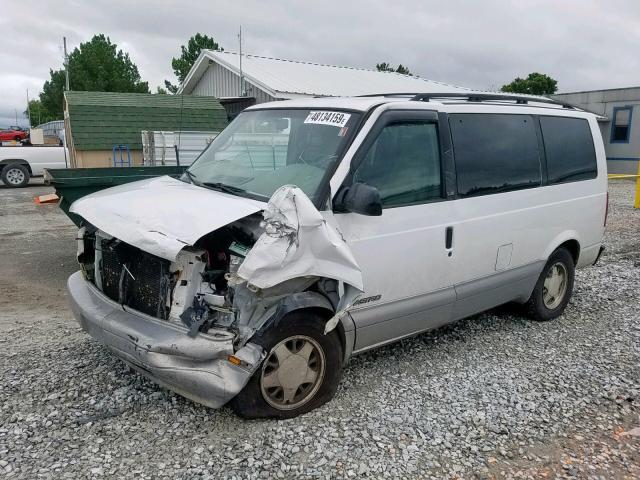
[(19, 163)]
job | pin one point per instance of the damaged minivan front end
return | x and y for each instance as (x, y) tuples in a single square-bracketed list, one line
[(180, 295)]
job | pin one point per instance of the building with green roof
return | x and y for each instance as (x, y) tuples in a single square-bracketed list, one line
[(96, 121)]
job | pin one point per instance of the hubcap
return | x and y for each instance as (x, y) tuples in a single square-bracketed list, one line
[(292, 373), (15, 176), (555, 286)]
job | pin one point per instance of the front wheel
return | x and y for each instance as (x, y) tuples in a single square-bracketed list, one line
[(553, 288), (15, 175), (301, 370)]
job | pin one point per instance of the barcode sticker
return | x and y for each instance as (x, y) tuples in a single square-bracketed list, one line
[(336, 119)]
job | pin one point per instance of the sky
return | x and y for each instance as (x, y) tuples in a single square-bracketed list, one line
[(584, 44)]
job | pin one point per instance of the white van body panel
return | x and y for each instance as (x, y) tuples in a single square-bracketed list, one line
[(403, 256)]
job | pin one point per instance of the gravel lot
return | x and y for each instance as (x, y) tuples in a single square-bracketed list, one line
[(493, 396)]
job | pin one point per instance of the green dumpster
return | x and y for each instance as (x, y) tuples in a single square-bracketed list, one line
[(74, 183)]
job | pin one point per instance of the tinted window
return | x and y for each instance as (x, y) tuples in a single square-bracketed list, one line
[(494, 153), (571, 155), (403, 164)]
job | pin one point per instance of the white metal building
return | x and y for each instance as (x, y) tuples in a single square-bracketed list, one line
[(620, 124), (266, 79)]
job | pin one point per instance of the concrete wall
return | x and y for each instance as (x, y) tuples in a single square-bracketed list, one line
[(221, 82), (102, 158), (621, 157)]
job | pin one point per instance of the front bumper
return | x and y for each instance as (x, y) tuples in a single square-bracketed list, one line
[(197, 368)]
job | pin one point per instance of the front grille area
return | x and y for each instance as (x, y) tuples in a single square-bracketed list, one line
[(135, 278)]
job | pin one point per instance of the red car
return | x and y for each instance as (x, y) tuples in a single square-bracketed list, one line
[(12, 134)]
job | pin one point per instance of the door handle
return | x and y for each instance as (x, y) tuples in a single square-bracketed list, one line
[(448, 239)]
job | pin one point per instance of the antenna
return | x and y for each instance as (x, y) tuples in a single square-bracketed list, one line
[(242, 92), (66, 65), (28, 108)]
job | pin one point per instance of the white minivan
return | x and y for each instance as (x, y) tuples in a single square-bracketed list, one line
[(310, 230)]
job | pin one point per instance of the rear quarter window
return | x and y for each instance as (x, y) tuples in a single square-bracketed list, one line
[(494, 153), (568, 144)]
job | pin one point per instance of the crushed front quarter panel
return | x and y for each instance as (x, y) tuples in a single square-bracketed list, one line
[(298, 242)]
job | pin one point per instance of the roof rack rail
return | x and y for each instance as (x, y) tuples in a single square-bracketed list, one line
[(473, 97)]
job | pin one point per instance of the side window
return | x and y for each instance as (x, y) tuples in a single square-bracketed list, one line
[(403, 164), (569, 148), (494, 153), (621, 125)]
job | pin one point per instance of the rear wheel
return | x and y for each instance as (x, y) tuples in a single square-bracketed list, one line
[(553, 288), (15, 175), (301, 370)]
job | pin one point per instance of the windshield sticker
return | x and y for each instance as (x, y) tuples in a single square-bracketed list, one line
[(336, 119)]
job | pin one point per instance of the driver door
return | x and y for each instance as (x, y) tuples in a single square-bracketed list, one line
[(404, 254)]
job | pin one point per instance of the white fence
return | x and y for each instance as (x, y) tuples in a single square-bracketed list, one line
[(160, 148), (51, 129)]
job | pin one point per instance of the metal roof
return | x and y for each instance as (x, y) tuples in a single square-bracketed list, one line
[(292, 79)]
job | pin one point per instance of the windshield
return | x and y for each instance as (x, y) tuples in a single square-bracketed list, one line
[(262, 150)]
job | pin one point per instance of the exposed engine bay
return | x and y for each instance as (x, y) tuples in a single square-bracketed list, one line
[(192, 289), (234, 278)]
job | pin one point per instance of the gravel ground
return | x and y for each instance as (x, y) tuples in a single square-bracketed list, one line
[(493, 396)]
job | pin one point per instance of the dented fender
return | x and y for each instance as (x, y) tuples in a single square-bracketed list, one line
[(298, 243)]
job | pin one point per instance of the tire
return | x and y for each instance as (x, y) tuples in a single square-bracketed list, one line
[(299, 331), (17, 138), (15, 175), (554, 287)]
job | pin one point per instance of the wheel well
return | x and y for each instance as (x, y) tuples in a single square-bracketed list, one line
[(574, 249), (6, 162), (323, 312)]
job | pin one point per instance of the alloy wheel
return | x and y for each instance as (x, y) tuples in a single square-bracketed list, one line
[(15, 176), (555, 286), (292, 372)]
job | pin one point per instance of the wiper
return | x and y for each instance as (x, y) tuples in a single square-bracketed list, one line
[(225, 188), (190, 176)]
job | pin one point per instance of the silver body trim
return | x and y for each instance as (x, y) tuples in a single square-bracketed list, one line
[(386, 323)]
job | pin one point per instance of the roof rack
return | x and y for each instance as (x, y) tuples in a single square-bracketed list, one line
[(473, 97)]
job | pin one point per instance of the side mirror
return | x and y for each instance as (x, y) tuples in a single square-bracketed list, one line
[(359, 198)]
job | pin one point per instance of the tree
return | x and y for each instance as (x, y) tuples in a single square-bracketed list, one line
[(51, 97), (534, 84), (38, 113), (385, 67), (190, 53), (95, 66), (160, 90)]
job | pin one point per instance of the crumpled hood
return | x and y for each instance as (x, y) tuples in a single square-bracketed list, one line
[(162, 215)]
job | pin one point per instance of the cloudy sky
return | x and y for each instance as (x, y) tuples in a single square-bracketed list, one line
[(584, 44)]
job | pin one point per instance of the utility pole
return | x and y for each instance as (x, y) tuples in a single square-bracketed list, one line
[(16, 110), (242, 92), (66, 65), (28, 109)]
